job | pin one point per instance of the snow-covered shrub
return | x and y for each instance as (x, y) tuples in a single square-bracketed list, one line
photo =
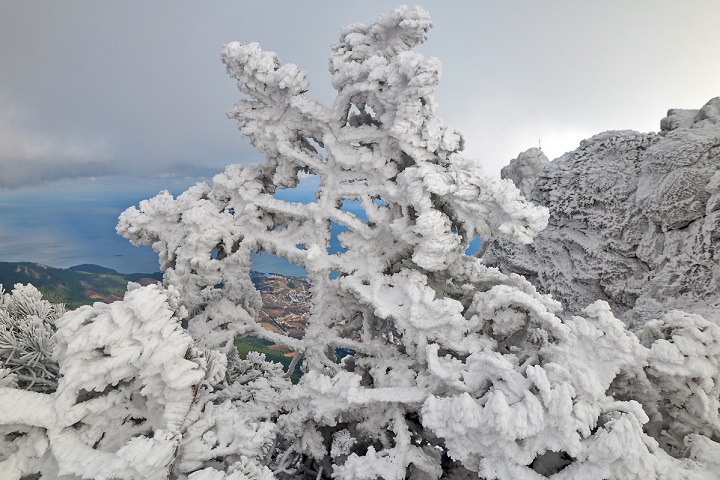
[(137, 399), (683, 365), (481, 376), (27, 323)]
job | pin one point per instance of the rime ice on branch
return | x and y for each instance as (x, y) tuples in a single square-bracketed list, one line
[(484, 378), (27, 324)]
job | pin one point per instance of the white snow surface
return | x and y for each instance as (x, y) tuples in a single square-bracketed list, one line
[(634, 220)]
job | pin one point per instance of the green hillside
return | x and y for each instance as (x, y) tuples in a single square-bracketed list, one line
[(74, 287), (245, 345), (87, 284)]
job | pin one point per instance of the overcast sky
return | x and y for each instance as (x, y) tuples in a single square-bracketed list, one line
[(90, 88)]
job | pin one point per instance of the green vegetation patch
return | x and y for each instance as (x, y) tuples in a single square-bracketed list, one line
[(245, 345), (73, 287)]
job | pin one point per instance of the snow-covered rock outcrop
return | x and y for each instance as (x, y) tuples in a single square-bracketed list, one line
[(634, 220), (524, 170)]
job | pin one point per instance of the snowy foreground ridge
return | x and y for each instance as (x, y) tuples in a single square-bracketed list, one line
[(486, 378)]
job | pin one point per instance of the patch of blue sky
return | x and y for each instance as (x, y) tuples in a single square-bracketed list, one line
[(474, 246), (304, 192)]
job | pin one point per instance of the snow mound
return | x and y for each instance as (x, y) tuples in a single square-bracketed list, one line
[(634, 220)]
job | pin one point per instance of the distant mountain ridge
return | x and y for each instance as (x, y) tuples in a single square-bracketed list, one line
[(74, 286), (92, 268)]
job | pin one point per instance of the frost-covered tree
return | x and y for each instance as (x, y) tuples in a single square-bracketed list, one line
[(27, 323), (481, 378), (683, 366)]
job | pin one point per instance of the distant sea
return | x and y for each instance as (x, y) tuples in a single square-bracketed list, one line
[(73, 222), (68, 223)]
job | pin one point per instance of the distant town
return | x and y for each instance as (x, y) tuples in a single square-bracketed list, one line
[(286, 303)]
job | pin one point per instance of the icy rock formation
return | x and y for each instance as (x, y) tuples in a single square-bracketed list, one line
[(484, 379), (634, 220), (524, 170)]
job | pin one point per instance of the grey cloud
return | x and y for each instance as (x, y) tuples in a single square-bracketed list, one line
[(146, 77), (29, 158), (17, 174)]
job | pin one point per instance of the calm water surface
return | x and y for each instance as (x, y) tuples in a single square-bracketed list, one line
[(73, 222)]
